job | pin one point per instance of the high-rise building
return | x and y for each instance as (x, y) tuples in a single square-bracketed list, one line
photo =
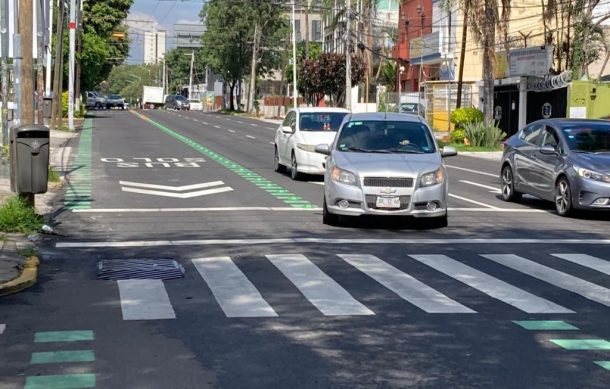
[(154, 47)]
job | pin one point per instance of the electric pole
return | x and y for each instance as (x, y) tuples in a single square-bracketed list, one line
[(58, 69), (4, 69), (251, 91), (348, 58), (27, 65), (72, 27), (295, 95), (191, 74)]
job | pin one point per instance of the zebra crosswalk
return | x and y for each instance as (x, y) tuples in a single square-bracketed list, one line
[(238, 296)]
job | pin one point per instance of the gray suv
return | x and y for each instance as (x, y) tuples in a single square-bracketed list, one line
[(177, 102)]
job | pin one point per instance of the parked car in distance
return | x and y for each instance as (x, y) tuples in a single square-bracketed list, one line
[(178, 102), (412, 108), (95, 100), (566, 161), (196, 105), (385, 164), (115, 101), (296, 139)]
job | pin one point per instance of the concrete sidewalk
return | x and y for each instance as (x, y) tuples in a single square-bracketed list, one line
[(18, 260)]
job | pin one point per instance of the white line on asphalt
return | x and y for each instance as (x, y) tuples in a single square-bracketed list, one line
[(189, 195), (491, 188), (585, 260), (254, 125), (316, 182), (562, 280), (472, 201), (215, 126), (206, 123), (321, 290), (404, 285), (250, 136), (240, 122), (232, 131), (206, 242), (2, 328), (145, 300), (172, 188), (211, 209), (271, 143), (473, 171), (235, 294), (511, 210), (489, 285)]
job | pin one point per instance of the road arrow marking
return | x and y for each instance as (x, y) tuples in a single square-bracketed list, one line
[(179, 195), (172, 188)]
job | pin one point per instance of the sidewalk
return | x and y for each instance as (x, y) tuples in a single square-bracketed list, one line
[(18, 260)]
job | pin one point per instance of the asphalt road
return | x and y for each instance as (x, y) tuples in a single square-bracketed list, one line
[(272, 298)]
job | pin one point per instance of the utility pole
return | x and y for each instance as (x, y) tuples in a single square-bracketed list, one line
[(191, 74), (58, 69), (348, 58), (27, 66), (460, 84), (251, 91), (295, 95), (47, 88), (4, 69), (79, 48), (72, 27)]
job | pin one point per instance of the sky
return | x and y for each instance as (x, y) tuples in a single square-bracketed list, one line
[(146, 15)]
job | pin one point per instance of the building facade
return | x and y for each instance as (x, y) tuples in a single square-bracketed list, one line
[(154, 47)]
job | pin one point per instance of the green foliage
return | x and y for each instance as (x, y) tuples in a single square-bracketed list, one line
[(457, 136), (17, 216), (463, 116), (480, 134), (383, 105), (53, 175), (387, 75)]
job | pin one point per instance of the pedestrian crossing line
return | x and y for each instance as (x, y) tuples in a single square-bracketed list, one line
[(145, 300), (554, 277), (545, 325), (585, 260), (2, 328), (489, 285), (582, 344), (235, 294), (321, 290), (406, 286)]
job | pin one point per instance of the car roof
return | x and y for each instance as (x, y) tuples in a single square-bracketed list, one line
[(559, 122), (320, 109), (380, 116)]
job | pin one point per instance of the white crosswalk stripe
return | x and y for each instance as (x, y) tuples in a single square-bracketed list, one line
[(235, 294), (145, 300), (404, 285), (321, 290), (562, 280), (489, 285), (586, 260)]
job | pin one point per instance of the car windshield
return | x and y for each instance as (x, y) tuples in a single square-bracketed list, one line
[(114, 97), (321, 121), (386, 137), (181, 98), (594, 137)]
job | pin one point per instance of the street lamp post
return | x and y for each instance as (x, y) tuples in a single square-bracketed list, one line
[(401, 70)]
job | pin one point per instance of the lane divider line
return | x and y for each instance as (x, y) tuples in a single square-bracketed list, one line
[(472, 201), (491, 188), (256, 179), (473, 171)]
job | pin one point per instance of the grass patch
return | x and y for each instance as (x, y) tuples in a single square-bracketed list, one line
[(17, 216), (463, 147), (53, 175)]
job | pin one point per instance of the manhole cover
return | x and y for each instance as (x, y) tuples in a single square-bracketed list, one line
[(125, 269)]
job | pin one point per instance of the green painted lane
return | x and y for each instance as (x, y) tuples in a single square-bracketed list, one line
[(604, 364), (65, 381), (63, 336), (259, 181), (62, 356), (582, 344), (78, 192), (545, 325)]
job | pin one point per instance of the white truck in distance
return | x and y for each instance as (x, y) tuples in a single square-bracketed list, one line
[(152, 97)]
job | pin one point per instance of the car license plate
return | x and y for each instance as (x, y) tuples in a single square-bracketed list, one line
[(388, 202)]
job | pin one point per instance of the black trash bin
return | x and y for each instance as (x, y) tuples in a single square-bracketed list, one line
[(29, 158)]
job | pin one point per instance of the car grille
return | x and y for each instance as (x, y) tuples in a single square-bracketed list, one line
[(371, 203), (396, 182)]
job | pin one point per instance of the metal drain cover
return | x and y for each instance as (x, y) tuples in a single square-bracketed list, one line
[(126, 269)]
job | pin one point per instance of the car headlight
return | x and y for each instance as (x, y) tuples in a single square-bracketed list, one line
[(432, 178), (303, 146), (586, 173), (343, 176)]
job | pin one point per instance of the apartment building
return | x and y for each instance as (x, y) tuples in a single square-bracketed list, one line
[(154, 47)]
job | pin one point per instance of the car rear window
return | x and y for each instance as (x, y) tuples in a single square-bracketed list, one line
[(321, 121), (386, 137)]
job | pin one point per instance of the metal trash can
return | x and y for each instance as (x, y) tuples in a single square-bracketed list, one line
[(29, 158)]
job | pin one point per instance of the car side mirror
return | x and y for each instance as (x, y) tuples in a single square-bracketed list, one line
[(448, 151), (549, 150), (323, 149), (287, 129)]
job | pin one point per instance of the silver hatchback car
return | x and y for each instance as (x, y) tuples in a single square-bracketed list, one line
[(385, 164)]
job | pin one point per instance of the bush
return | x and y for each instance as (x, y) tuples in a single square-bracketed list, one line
[(64, 107), (17, 216), (480, 134), (457, 136), (462, 116)]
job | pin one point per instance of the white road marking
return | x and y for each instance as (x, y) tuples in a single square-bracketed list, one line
[(250, 136), (489, 285), (240, 122), (585, 260), (188, 195), (235, 294), (271, 143), (215, 126), (2, 328), (210, 209), (491, 188), (206, 123), (321, 290), (514, 210), (254, 125), (472, 201), (404, 285), (562, 280), (316, 182), (232, 131), (172, 188), (473, 171), (209, 242), (145, 300)]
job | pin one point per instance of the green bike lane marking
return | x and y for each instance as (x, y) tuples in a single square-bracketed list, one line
[(545, 325), (78, 192), (261, 182), (62, 356), (64, 381), (63, 336)]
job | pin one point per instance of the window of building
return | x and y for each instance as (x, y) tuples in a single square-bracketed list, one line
[(297, 28), (316, 30)]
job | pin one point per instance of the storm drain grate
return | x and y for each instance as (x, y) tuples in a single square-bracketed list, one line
[(126, 269)]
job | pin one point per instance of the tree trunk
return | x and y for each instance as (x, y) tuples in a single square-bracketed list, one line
[(252, 86), (231, 95), (488, 65)]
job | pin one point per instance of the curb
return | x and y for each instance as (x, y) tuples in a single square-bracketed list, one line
[(27, 278)]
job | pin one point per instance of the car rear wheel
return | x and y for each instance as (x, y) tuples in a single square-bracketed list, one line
[(278, 166), (294, 172), (328, 218), (563, 197), (508, 185)]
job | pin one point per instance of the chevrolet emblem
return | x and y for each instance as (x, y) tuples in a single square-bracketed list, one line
[(388, 190)]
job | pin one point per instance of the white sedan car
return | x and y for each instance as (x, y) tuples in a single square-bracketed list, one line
[(296, 139)]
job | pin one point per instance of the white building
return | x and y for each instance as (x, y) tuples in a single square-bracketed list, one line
[(154, 47)]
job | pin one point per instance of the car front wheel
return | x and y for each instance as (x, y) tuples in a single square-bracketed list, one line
[(563, 197), (278, 166), (294, 172), (508, 185), (328, 218)]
